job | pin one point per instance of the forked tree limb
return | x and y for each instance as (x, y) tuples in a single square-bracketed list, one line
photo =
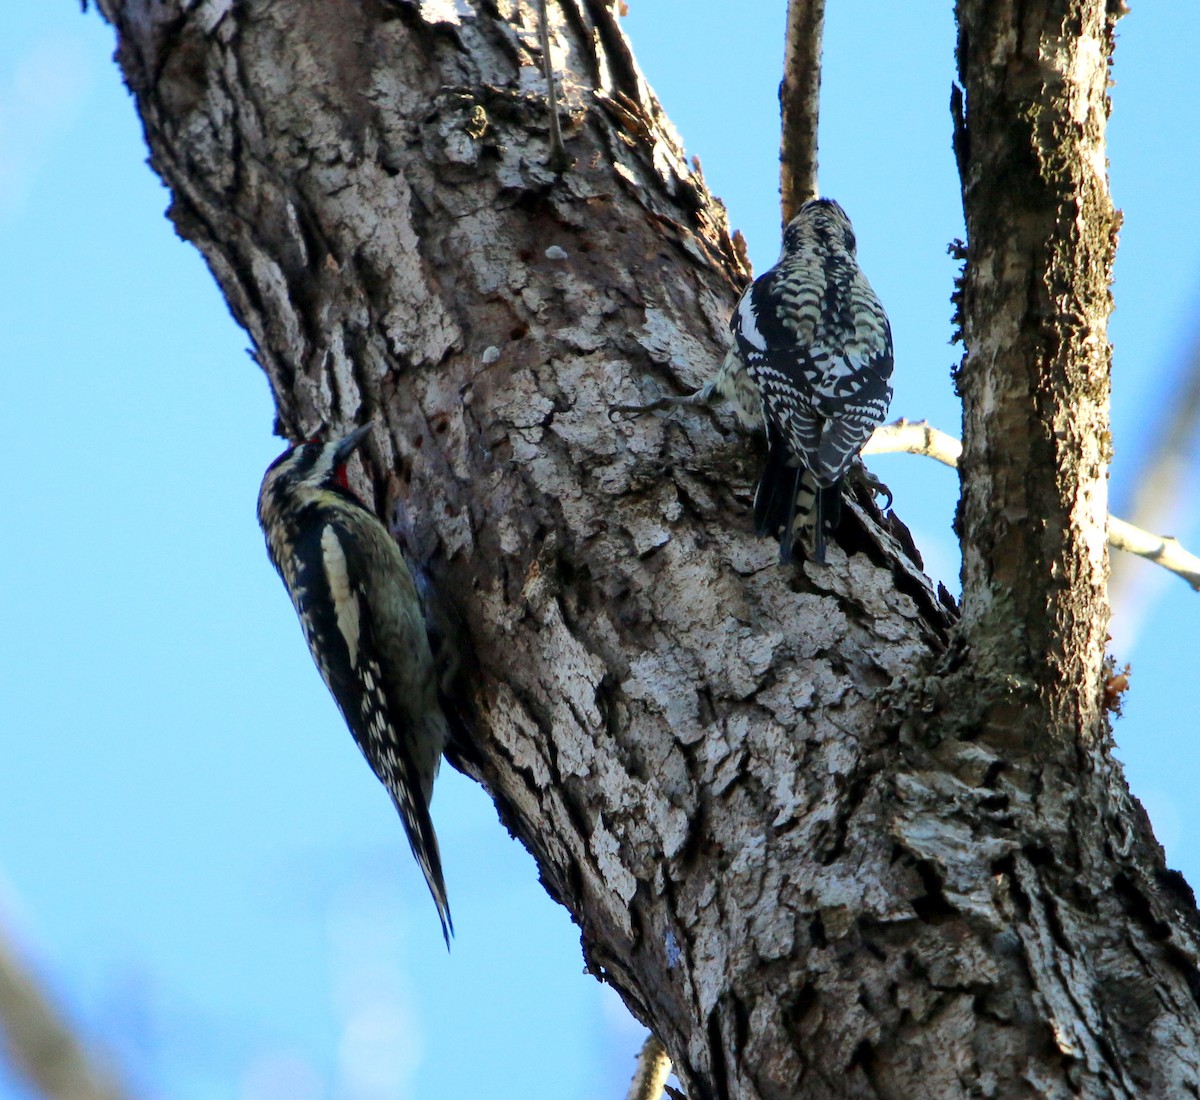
[(820, 846)]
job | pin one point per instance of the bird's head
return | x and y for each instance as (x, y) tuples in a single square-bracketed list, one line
[(819, 221), (310, 467)]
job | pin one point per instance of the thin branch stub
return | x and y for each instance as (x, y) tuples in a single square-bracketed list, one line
[(559, 161), (653, 1068), (902, 436)]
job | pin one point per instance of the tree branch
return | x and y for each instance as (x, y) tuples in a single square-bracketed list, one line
[(653, 1069), (1161, 549), (810, 861), (39, 1043), (1035, 377), (559, 160), (800, 102), (1160, 477), (903, 436)]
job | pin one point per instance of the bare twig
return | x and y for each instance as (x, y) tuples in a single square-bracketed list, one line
[(1160, 549), (559, 160), (921, 439), (652, 1070), (1162, 475), (39, 1045), (916, 438), (705, 395), (799, 104)]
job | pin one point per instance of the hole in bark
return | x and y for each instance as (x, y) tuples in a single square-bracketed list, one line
[(418, 442), (1186, 967), (741, 1024), (970, 733), (693, 845), (993, 773), (932, 906), (797, 1008), (852, 799), (1176, 885), (1137, 905), (1005, 867), (628, 616), (1039, 855), (575, 884), (874, 949), (816, 932), (716, 1050), (519, 332), (864, 1058), (1057, 933)]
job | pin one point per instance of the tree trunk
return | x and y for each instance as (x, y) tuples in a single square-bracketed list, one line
[(824, 842)]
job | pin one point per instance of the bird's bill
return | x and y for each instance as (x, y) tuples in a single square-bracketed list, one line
[(349, 443)]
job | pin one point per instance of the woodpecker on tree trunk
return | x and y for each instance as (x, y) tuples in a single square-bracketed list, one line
[(364, 621)]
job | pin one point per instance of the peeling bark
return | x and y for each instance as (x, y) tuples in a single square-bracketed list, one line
[(819, 849)]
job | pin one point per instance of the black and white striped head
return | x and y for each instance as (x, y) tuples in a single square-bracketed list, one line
[(820, 222), (309, 468)]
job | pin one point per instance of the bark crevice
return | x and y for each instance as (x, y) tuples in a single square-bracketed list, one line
[(823, 839)]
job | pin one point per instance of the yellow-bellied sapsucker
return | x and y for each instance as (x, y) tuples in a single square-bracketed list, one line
[(810, 362), (816, 344), (365, 624)]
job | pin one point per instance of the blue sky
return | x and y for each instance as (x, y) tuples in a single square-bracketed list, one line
[(192, 852)]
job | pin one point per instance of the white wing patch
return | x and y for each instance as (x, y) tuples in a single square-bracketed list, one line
[(747, 323), (345, 601)]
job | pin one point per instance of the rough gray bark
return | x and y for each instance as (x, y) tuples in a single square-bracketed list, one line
[(818, 847), (1035, 382)]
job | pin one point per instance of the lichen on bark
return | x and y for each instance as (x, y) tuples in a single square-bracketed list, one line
[(821, 841)]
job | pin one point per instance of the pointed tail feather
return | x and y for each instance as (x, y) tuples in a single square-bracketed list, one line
[(826, 514), (423, 841), (775, 499), (788, 497)]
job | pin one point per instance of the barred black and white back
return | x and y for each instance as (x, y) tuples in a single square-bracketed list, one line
[(365, 625), (816, 343)]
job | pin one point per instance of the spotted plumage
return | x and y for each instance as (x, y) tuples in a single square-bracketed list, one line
[(815, 343), (365, 625)]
